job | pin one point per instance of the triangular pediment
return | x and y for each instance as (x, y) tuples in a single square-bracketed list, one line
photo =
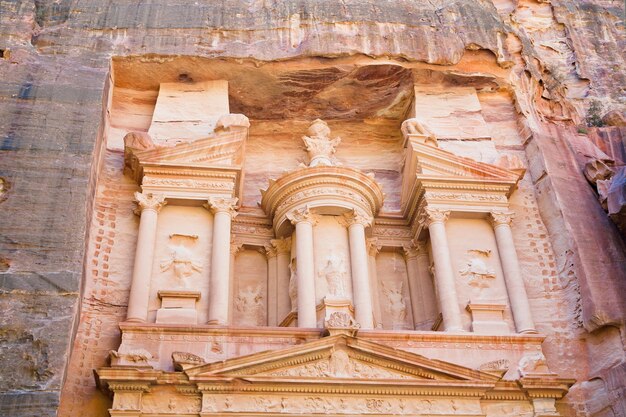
[(339, 357)]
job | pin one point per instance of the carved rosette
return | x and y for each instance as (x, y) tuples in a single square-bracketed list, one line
[(149, 201), (323, 189), (222, 205), (430, 215), (501, 218)]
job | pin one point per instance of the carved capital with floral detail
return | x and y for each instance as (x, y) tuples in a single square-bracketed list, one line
[(282, 245), (501, 218), (356, 217), (149, 201), (222, 205), (235, 246), (413, 249), (303, 215), (430, 215), (373, 247)]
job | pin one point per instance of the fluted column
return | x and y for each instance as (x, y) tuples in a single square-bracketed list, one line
[(372, 250), (282, 248), (435, 219), (361, 293), (518, 298), (148, 207), (223, 210), (304, 220)]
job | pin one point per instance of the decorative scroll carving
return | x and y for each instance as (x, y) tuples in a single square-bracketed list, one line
[(319, 145), (341, 320), (501, 218), (466, 197), (249, 306), (433, 215), (302, 215), (293, 285), (189, 183), (334, 273), (149, 201), (396, 307), (339, 365), (185, 360), (478, 274), (497, 365)]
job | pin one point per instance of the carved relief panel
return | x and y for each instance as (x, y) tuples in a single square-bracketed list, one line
[(250, 298), (393, 295), (332, 259), (182, 256), (476, 263)]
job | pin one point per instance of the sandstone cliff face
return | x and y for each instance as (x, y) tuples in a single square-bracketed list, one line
[(543, 61)]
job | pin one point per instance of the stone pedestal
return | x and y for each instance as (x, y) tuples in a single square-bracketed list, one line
[(336, 316), (488, 318), (178, 307)]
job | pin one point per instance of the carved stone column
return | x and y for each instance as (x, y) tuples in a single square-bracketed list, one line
[(518, 298), (223, 210), (272, 286), (372, 250), (435, 219), (235, 247), (361, 295), (423, 303), (304, 220), (282, 248), (148, 207)]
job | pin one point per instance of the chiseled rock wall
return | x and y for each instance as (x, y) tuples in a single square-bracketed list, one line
[(55, 57)]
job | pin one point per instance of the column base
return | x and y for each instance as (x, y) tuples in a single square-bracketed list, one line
[(178, 307), (487, 318)]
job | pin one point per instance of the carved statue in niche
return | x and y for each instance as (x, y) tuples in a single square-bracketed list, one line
[(396, 307), (334, 273), (478, 274), (319, 145), (293, 285), (249, 306), (181, 259)]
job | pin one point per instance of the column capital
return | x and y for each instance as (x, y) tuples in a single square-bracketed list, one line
[(373, 247), (500, 218), (431, 215), (356, 217), (414, 248), (221, 205), (282, 245), (303, 215), (270, 251), (235, 246), (149, 201)]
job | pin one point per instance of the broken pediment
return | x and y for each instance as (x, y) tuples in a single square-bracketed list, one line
[(224, 148)]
